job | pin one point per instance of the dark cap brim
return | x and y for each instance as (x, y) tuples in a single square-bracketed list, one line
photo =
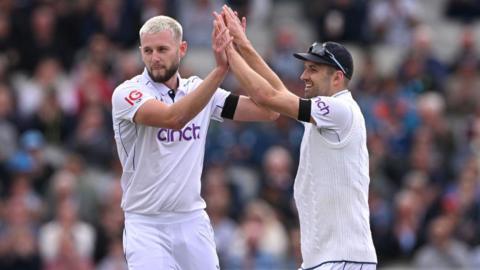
[(313, 58)]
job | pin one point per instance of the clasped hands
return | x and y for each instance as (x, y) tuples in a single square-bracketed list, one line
[(228, 34)]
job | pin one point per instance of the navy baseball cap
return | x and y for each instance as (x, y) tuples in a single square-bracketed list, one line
[(329, 53)]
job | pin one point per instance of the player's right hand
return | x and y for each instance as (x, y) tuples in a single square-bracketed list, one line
[(235, 26), (221, 39)]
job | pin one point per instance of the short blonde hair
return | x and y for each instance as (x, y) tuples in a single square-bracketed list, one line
[(161, 23)]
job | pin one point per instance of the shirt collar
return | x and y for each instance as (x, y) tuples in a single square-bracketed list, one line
[(345, 91), (161, 86)]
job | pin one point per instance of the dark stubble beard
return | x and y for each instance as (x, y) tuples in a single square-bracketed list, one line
[(168, 73)]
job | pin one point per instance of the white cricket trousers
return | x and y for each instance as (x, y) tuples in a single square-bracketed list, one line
[(170, 241)]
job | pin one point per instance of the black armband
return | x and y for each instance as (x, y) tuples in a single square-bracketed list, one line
[(304, 109), (230, 106)]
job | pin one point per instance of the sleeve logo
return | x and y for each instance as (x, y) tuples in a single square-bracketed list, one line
[(324, 108), (134, 97)]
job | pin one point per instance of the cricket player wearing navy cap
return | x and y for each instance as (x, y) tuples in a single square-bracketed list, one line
[(160, 121), (332, 182)]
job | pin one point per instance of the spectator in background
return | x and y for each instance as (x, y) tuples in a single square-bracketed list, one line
[(75, 17), (407, 224), (367, 88), (381, 220), (67, 185), (466, 49), (475, 258), (52, 121), (442, 250), (461, 93), (42, 39), (92, 138), (339, 20), (258, 13), (118, 20), (31, 159), (48, 81), (437, 133), (219, 200), (196, 18), (395, 119), (462, 201), (280, 56), (109, 228), (66, 242), (151, 8), (18, 240), (393, 21), (415, 205), (277, 180), (294, 256), (422, 70), (260, 241), (115, 259), (8, 44), (21, 188), (127, 65), (101, 51), (92, 86), (8, 131)]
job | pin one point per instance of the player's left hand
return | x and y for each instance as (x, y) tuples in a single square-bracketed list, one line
[(221, 39), (236, 26)]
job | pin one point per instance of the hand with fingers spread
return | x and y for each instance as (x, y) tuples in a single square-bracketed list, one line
[(235, 26), (221, 39)]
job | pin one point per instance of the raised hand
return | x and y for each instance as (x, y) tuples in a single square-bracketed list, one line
[(235, 26), (221, 39)]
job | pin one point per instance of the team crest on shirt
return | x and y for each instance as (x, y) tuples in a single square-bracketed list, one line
[(133, 97), (324, 108)]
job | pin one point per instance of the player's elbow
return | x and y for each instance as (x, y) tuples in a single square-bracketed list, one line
[(263, 98)]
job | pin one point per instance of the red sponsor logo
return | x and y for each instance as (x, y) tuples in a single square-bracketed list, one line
[(133, 96)]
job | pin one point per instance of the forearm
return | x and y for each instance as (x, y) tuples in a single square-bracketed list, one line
[(258, 88), (279, 100), (185, 109), (256, 62)]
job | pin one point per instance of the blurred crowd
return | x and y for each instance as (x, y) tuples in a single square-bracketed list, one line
[(59, 173)]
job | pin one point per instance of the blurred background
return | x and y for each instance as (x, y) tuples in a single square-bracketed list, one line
[(416, 79)]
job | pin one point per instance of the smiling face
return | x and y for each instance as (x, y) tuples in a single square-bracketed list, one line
[(318, 79), (161, 53)]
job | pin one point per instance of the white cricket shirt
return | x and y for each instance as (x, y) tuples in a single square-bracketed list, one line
[(331, 186), (161, 167)]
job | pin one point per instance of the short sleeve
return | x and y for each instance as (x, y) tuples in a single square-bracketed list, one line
[(127, 99), (332, 113), (218, 101)]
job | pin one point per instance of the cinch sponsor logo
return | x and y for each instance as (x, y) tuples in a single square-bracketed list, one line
[(191, 132), (324, 108)]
